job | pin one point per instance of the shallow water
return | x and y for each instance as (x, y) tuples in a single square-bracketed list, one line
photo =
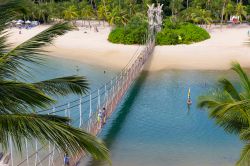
[(54, 67), (153, 125)]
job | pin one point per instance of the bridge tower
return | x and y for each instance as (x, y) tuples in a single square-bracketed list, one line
[(155, 18)]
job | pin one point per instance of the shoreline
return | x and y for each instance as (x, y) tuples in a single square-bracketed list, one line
[(93, 48)]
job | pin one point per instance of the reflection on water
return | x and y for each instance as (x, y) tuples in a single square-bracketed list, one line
[(120, 119), (154, 125)]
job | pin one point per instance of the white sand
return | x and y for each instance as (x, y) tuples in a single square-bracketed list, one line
[(216, 53)]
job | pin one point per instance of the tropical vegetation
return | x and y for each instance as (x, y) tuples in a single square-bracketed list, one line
[(133, 33), (180, 33), (115, 12), (119, 13), (20, 99), (229, 106)]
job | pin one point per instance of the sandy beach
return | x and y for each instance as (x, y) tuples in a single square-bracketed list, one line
[(91, 47)]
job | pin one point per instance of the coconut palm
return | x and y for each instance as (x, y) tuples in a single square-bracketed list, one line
[(229, 105), (197, 15), (202, 16), (241, 11), (224, 2), (101, 13), (20, 99), (175, 6), (70, 13), (117, 17), (229, 10), (88, 13)]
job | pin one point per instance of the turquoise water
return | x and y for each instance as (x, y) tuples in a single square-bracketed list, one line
[(153, 126), (54, 67)]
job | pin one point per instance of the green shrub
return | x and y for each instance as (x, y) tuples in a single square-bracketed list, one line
[(172, 33), (180, 33), (169, 24), (167, 37), (133, 33), (117, 35)]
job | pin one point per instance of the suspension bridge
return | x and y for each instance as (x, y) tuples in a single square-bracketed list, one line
[(85, 110)]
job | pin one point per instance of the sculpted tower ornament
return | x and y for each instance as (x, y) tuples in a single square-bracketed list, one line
[(151, 19), (155, 17), (158, 16)]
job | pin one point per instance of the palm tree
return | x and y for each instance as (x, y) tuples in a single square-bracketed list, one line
[(241, 11), (70, 13), (197, 15), (88, 13), (130, 4), (223, 11), (117, 17), (229, 10), (101, 13), (231, 109), (20, 99), (176, 6)]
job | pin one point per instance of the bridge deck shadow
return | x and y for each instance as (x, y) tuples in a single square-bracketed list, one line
[(122, 114)]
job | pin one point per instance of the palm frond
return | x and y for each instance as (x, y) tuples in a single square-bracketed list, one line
[(231, 109), (3, 43), (245, 134), (226, 107), (207, 101), (14, 61), (23, 95), (64, 85), (233, 121), (243, 77), (230, 89), (49, 128), (244, 157), (229, 114), (7, 12)]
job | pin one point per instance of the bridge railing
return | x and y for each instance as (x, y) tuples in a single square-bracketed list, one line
[(84, 112)]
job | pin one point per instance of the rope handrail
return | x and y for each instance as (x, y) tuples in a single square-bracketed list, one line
[(107, 96), (101, 87)]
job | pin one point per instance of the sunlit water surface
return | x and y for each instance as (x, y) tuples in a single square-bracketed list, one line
[(153, 125)]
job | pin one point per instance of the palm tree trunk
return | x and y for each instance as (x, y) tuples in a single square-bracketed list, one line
[(105, 8), (222, 13), (104, 23)]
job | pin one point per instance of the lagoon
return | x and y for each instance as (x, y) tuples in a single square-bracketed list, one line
[(153, 126)]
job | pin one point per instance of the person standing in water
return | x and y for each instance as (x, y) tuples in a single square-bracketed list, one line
[(189, 101)]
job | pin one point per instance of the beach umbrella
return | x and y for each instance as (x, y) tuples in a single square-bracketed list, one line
[(27, 22), (18, 23)]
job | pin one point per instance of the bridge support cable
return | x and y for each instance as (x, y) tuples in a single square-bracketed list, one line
[(101, 101)]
